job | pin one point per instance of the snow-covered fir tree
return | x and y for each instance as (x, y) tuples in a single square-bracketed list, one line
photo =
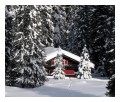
[(58, 19), (8, 46), (111, 87), (28, 53), (85, 65), (44, 19), (58, 72), (102, 37)]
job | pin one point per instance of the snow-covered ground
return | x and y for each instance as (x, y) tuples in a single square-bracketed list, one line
[(70, 87)]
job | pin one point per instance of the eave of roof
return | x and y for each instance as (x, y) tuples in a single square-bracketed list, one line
[(52, 53)]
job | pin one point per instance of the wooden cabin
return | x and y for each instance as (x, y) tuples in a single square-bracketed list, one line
[(70, 61)]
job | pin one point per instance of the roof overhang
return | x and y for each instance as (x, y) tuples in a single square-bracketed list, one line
[(52, 52)]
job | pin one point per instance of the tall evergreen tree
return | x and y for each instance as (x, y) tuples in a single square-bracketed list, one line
[(69, 28), (102, 36), (28, 54), (44, 15), (58, 19), (8, 46)]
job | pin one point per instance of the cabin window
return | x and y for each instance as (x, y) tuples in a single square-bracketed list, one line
[(52, 62), (65, 62)]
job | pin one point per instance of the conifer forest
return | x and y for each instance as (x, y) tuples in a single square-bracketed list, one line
[(31, 28)]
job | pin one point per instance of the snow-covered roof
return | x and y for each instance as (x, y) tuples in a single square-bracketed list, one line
[(52, 52)]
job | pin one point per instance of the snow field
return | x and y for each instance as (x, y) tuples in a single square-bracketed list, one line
[(70, 87)]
